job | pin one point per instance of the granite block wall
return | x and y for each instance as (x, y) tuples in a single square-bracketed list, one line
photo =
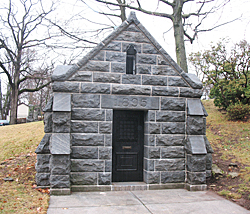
[(77, 147)]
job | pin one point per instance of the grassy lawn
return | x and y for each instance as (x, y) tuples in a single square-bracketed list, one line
[(17, 161), (231, 143)]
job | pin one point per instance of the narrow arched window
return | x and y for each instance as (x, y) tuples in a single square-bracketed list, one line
[(130, 60)]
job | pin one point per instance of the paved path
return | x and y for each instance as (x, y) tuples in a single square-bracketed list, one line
[(178, 201)]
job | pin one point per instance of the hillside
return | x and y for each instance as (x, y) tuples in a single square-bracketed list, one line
[(231, 144)]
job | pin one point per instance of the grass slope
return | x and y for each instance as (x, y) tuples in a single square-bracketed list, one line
[(17, 161), (231, 143)]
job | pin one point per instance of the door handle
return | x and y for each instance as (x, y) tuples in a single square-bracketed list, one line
[(126, 147)]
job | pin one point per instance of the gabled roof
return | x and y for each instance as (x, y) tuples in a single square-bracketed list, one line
[(63, 72)]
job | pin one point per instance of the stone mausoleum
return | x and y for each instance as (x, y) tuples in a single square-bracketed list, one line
[(124, 113)]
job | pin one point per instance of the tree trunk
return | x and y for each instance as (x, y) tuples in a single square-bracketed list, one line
[(13, 105), (179, 35)]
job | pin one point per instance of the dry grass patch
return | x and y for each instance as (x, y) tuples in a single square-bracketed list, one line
[(17, 161), (231, 143)]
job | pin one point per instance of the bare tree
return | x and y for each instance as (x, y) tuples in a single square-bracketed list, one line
[(180, 20), (19, 36)]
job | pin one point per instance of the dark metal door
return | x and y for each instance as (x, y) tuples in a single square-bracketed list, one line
[(127, 155)]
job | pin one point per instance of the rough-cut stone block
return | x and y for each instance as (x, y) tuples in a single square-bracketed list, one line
[(131, 79), (154, 80), (173, 177), (83, 178), (108, 139), (126, 45), (149, 49), (61, 122), (87, 165), (170, 164), (152, 177), (170, 140), (96, 66), (149, 140), (105, 153), (194, 107), (196, 163), (108, 165), (88, 114), (150, 116), (133, 28), (173, 128), (146, 59), (153, 128), (148, 164), (195, 145), (116, 56), (43, 179), (43, 147), (173, 152), (95, 88), (177, 81), (196, 177), (162, 61), (84, 127), (105, 127), (209, 161), (60, 164), (129, 102), (83, 152), (189, 92), (132, 37), (104, 178), (82, 76), (173, 104), (170, 116), (196, 125), (117, 67), (164, 70), (87, 140), (60, 144), (165, 91), (49, 105), (106, 77), (131, 90), (71, 87), (62, 102), (113, 46), (152, 152), (59, 181), (208, 173), (208, 146), (143, 69), (85, 101), (109, 115), (42, 164), (99, 56)]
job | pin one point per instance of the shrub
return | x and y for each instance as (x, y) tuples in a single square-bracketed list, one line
[(238, 111)]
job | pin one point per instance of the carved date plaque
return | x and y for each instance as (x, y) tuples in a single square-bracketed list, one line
[(129, 102)]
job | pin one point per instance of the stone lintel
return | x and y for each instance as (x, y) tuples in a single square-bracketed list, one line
[(129, 102)]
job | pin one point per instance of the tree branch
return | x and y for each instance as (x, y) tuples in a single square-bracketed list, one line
[(33, 90)]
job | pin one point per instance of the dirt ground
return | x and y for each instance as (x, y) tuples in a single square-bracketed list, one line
[(218, 183)]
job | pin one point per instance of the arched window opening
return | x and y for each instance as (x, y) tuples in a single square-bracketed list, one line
[(130, 60)]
